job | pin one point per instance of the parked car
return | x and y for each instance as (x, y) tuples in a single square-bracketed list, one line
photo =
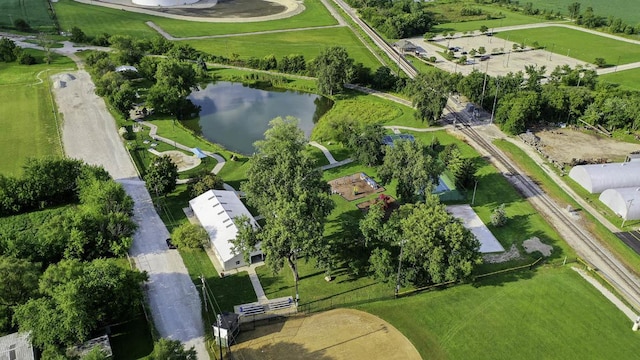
[(170, 244), (485, 57)]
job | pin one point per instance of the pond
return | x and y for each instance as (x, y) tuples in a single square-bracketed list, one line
[(235, 115)]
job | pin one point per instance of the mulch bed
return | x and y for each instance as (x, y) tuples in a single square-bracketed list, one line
[(353, 187)]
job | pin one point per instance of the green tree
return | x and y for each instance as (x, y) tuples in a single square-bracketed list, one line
[(574, 10), (19, 280), (246, 239), (381, 265), (333, 67), (124, 99), (284, 184), (372, 225), (190, 236), (127, 49), (437, 247), (483, 29), (161, 176), (203, 183), (463, 170), (77, 35), (499, 216), (600, 62), (482, 50), (167, 349), (8, 50), (430, 93), (366, 144), (410, 164), (95, 354), (21, 25)]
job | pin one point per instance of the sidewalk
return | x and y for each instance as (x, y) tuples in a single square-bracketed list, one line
[(608, 294)]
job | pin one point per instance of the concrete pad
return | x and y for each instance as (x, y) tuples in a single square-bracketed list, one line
[(488, 242)]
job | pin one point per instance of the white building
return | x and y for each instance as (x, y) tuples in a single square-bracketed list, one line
[(216, 209), (624, 202), (16, 346), (164, 2), (597, 178)]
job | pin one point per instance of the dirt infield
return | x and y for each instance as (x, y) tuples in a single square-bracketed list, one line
[(336, 334)]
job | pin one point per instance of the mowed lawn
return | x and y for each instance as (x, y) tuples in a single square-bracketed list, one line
[(577, 44), (94, 20), (33, 12), (627, 10), (553, 315), (27, 120), (510, 19), (628, 79), (308, 43)]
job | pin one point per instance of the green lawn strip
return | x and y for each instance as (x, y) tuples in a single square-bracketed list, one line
[(549, 315), (577, 44), (420, 65), (95, 20), (623, 252), (29, 121), (240, 75), (627, 79), (461, 25), (617, 8), (315, 14), (308, 43), (34, 12)]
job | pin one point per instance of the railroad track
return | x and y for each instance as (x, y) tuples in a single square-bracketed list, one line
[(617, 275)]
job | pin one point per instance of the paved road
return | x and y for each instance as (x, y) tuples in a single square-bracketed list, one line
[(89, 133)]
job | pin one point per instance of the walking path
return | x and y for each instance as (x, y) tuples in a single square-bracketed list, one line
[(257, 287), (325, 151), (608, 294)]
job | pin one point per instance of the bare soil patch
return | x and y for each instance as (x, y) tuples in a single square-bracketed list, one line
[(567, 145), (336, 334), (390, 204), (182, 160), (355, 186)]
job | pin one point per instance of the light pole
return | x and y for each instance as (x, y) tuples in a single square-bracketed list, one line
[(397, 289), (630, 202)]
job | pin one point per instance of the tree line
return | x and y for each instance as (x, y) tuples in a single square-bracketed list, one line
[(63, 226)]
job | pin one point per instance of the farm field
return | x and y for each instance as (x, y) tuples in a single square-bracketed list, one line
[(33, 12), (551, 313), (576, 44), (308, 43), (623, 9), (29, 126), (94, 20)]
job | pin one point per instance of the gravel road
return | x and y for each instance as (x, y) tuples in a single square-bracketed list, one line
[(89, 133)]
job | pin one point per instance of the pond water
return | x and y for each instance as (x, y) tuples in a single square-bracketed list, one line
[(235, 115)]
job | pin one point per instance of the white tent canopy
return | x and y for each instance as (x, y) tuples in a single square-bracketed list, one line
[(625, 202), (597, 178)]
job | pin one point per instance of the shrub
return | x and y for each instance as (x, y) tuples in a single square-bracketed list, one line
[(499, 216)]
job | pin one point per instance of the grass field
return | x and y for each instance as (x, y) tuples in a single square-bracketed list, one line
[(552, 315), (308, 43), (95, 20), (29, 127), (624, 9), (577, 44), (628, 79), (510, 19), (33, 12)]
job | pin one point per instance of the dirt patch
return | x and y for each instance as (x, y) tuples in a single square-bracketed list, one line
[(534, 244), (390, 204), (355, 186), (512, 254), (564, 146), (336, 334), (182, 160)]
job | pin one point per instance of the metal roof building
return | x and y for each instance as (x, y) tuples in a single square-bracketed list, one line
[(600, 177), (625, 202), (216, 209)]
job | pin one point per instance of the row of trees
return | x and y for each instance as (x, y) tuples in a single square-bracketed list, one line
[(395, 19), (10, 52)]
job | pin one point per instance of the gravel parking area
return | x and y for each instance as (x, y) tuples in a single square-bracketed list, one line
[(89, 133)]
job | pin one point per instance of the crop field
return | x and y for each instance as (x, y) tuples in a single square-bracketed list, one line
[(625, 9), (33, 12), (95, 20), (549, 314), (577, 44), (308, 43), (29, 127)]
